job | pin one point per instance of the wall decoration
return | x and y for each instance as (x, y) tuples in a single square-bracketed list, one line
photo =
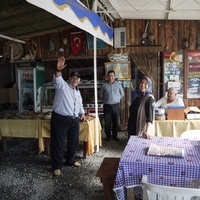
[(118, 57), (76, 40), (122, 69), (13, 50), (90, 41), (173, 71), (193, 71)]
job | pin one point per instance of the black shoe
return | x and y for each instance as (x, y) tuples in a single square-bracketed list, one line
[(107, 139), (116, 138)]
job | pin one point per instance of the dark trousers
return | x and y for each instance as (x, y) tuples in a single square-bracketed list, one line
[(111, 117), (63, 127)]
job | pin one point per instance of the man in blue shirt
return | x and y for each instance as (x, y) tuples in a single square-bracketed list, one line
[(67, 110), (111, 92)]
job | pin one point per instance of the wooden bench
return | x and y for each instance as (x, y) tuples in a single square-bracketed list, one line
[(107, 173)]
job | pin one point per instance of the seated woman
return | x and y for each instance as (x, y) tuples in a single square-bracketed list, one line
[(170, 100)]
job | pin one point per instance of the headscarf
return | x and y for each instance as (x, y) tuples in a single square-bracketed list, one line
[(149, 89)]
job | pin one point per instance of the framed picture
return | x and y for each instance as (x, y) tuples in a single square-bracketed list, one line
[(122, 69)]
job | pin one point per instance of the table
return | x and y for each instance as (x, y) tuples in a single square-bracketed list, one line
[(174, 128), (18, 128), (181, 172), (86, 135), (40, 129)]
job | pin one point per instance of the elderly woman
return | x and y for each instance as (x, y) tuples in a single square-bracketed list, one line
[(170, 100), (141, 111)]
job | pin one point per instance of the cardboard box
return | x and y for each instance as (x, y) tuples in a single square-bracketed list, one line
[(4, 96), (12, 94), (193, 116), (175, 113)]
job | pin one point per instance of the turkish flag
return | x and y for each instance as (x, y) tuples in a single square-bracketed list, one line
[(76, 40)]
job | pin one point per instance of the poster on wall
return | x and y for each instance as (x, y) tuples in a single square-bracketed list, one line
[(173, 71), (175, 85), (122, 69), (193, 86)]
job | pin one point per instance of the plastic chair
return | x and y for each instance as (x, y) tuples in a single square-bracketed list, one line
[(191, 134), (161, 192)]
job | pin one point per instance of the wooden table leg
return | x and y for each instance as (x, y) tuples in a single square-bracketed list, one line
[(130, 194), (84, 150), (107, 189), (4, 143)]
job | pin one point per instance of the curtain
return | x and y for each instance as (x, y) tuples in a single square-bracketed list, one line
[(148, 64)]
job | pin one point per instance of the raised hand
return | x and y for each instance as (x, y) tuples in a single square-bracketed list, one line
[(61, 63)]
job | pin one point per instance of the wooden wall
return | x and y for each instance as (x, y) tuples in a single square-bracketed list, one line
[(169, 36)]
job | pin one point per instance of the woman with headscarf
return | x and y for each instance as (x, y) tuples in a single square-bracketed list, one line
[(141, 111)]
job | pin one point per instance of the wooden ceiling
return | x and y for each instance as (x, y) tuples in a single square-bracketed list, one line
[(22, 20)]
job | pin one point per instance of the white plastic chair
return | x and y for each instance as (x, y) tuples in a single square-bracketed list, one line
[(160, 192), (191, 134)]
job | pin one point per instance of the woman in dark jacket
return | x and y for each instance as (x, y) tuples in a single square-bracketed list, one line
[(141, 111)]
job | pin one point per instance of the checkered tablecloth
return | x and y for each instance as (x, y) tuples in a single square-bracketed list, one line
[(170, 171)]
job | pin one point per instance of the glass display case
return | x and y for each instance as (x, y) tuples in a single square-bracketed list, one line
[(49, 94), (86, 89), (193, 74)]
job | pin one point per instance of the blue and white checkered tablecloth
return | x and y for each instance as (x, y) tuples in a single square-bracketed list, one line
[(170, 171)]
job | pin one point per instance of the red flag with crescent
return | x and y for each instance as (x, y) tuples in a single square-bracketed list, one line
[(76, 40)]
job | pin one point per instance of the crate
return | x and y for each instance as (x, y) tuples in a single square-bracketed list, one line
[(175, 113)]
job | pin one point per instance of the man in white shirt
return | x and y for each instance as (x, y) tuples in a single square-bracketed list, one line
[(67, 111)]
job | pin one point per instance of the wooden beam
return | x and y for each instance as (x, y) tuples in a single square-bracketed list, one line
[(8, 5)]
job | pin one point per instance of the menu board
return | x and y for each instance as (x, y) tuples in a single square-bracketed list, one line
[(173, 71), (193, 84)]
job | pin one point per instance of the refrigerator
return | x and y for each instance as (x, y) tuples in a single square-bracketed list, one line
[(30, 78)]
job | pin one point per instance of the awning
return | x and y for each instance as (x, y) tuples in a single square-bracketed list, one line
[(77, 14)]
